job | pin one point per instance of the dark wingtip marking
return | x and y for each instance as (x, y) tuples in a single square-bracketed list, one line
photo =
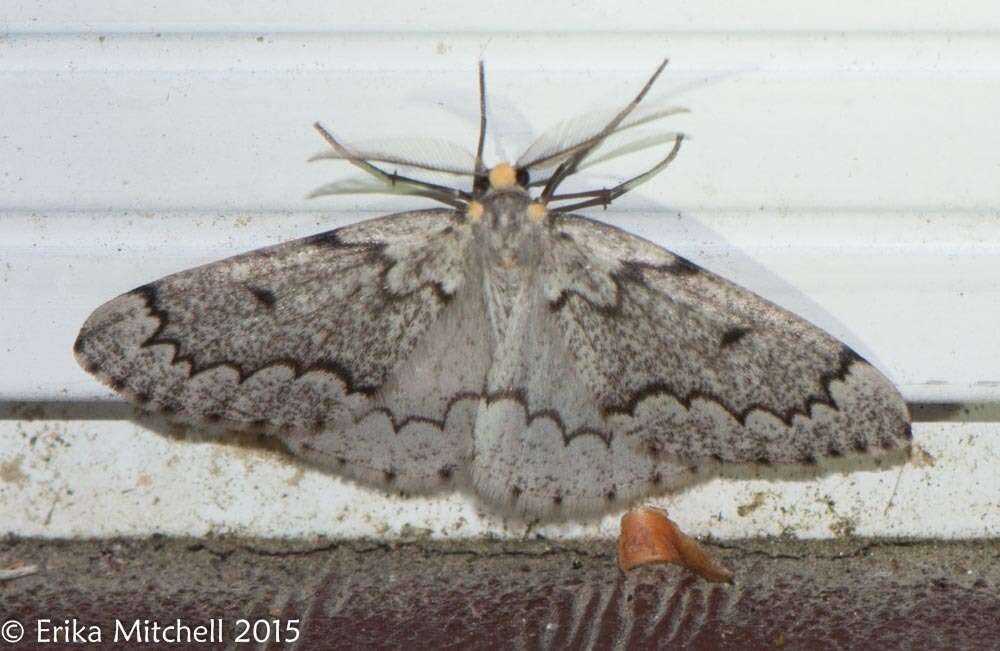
[(557, 500), (142, 397), (389, 475), (265, 296), (611, 495), (683, 267), (849, 356), (888, 444), (212, 417), (763, 460), (91, 367), (734, 335), (653, 451), (259, 423), (834, 452), (329, 238), (656, 479), (117, 384), (808, 460), (147, 291), (860, 446), (515, 491), (341, 461), (715, 457), (445, 473), (318, 425)]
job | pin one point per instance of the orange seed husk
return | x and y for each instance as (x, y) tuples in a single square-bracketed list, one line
[(649, 536)]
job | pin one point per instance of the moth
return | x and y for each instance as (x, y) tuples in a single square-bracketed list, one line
[(554, 364)]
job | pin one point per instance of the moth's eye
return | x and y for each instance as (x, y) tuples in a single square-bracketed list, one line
[(523, 178), (480, 185)]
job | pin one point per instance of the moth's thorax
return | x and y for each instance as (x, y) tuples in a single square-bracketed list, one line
[(506, 210), (510, 227)]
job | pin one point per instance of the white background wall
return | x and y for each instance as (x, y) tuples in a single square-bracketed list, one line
[(842, 163)]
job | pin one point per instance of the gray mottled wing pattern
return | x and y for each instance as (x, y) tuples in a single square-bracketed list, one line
[(667, 366), (335, 342), (541, 443)]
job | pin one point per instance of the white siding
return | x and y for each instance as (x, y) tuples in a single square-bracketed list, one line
[(841, 163)]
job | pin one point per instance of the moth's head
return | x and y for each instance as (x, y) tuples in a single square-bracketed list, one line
[(501, 177), (505, 199)]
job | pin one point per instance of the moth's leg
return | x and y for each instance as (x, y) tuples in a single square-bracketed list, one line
[(649, 536)]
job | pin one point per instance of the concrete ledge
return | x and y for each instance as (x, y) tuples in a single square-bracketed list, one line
[(533, 594)]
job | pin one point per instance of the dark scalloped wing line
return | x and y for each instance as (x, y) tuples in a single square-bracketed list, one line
[(847, 358), (513, 395), (150, 295), (397, 426), (328, 239), (518, 396)]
